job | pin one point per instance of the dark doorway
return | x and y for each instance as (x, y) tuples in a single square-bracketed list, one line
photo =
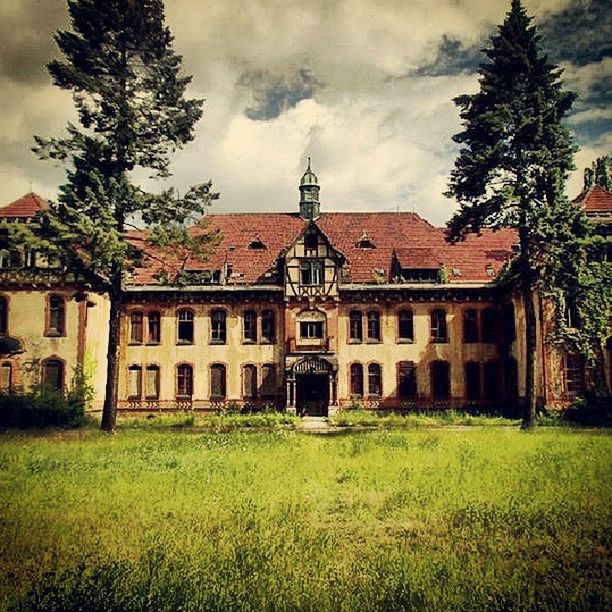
[(312, 394)]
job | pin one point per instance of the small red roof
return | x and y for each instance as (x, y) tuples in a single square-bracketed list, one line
[(596, 199), (24, 208)]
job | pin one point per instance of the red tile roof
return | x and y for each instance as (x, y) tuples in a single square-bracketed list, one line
[(596, 199), (477, 259), (24, 208)]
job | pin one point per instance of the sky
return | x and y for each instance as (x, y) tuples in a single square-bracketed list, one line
[(364, 87)]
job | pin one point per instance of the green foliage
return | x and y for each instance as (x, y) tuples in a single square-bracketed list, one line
[(355, 417), (600, 173), (283, 521)]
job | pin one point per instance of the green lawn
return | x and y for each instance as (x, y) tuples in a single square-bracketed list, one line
[(418, 519)]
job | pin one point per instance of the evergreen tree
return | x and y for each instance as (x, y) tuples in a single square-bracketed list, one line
[(600, 173), (514, 159), (118, 61)]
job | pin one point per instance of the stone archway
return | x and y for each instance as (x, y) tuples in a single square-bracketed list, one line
[(311, 386)]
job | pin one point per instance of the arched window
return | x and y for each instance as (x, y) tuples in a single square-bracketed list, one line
[(374, 380), (134, 382), (373, 326), (249, 382), (184, 330), (470, 326), (154, 327), (152, 382), (438, 326), (268, 327), (268, 380), (249, 326), (488, 323), (53, 374), (218, 382), (136, 327), (472, 380), (56, 316), (3, 315), (405, 326), (355, 326), (356, 380), (218, 327), (406, 380), (184, 381), (440, 380)]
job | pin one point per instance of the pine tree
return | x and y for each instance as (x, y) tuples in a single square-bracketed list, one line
[(118, 61), (600, 173), (514, 159)]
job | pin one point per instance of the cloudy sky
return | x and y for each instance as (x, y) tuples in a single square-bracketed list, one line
[(364, 87)]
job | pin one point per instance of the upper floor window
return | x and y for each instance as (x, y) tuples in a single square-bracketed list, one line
[(488, 322), (406, 380), (10, 259), (574, 374), (56, 316), (154, 325), (249, 326), (218, 327), (53, 374), (152, 382), (184, 334), (218, 382), (355, 326), (268, 380), (311, 329), (268, 327), (405, 326), (311, 272), (3, 315), (356, 380), (134, 382), (438, 326), (136, 327), (249, 382), (374, 325), (472, 380), (470, 326), (374, 380), (571, 313), (440, 379), (311, 243), (184, 381)]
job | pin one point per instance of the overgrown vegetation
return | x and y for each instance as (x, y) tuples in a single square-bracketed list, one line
[(370, 418), (389, 520)]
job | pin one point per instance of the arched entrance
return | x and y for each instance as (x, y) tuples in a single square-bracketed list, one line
[(314, 383)]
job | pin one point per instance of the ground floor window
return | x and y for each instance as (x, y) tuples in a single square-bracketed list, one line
[(574, 374), (249, 382), (406, 380), (268, 380), (491, 381), (218, 382), (184, 381), (472, 380), (356, 380), (440, 380), (374, 380), (152, 382), (53, 374)]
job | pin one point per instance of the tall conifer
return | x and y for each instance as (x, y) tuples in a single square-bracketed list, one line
[(514, 159)]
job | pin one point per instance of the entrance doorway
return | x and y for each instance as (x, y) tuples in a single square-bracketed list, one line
[(312, 397)]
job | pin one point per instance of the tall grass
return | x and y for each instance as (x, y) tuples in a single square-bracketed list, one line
[(388, 520)]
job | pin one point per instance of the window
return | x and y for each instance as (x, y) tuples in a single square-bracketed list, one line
[(268, 327), (574, 374), (470, 326), (249, 382), (406, 326), (491, 381), (511, 379), (373, 326), (134, 382), (472, 380), (440, 380), (438, 326), (3, 315), (355, 326), (152, 382), (571, 313), (10, 259), (489, 325), (249, 326), (406, 380), (268, 380), (311, 329), (311, 242), (217, 382), (53, 374), (154, 321), (185, 326), (218, 329), (356, 380), (311, 272), (136, 327), (6, 377), (374, 380), (56, 319), (509, 324), (184, 381)]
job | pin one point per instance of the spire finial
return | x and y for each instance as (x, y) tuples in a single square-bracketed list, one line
[(309, 163)]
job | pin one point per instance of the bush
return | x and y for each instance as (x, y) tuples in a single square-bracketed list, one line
[(591, 410)]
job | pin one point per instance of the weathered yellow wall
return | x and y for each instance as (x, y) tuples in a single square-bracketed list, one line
[(96, 345)]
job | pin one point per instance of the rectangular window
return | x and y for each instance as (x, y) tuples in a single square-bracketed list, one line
[(574, 374), (438, 326), (268, 380), (406, 380), (356, 380), (311, 243), (488, 321), (152, 382), (249, 326), (249, 382), (311, 329), (406, 326), (185, 327), (56, 317), (355, 326), (217, 382), (6, 375), (440, 380), (268, 327), (472, 381), (136, 327), (374, 326), (154, 321), (134, 382), (470, 326), (311, 272), (491, 381), (374, 380), (184, 381), (218, 330)]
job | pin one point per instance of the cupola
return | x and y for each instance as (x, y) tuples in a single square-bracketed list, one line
[(309, 195)]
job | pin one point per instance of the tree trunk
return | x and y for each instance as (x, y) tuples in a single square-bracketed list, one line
[(109, 411), (529, 411)]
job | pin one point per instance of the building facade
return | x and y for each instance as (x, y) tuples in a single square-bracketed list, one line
[(309, 312)]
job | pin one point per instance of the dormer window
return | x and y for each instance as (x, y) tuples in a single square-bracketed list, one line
[(365, 242), (311, 273), (311, 243), (257, 244)]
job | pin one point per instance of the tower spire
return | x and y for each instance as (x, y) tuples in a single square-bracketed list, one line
[(309, 195)]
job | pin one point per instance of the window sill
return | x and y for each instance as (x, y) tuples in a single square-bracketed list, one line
[(183, 343), (220, 342), (134, 398), (373, 341), (243, 342), (439, 341), (51, 334), (157, 343), (214, 398), (268, 341), (134, 343), (355, 341), (151, 398), (184, 398), (405, 341)]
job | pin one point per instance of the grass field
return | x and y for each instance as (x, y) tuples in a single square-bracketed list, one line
[(488, 518)]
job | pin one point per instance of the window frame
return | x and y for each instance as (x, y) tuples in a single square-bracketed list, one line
[(355, 321), (436, 326), (268, 320), (315, 325), (489, 326), (54, 359), (221, 367), (373, 323), (137, 368), (190, 321), (356, 374), (374, 366), (268, 390), (249, 322), (182, 380), (152, 367), (471, 331), (403, 315), (152, 325), (433, 386), (408, 367), (58, 331), (472, 381), (218, 326), (136, 329), (574, 386)]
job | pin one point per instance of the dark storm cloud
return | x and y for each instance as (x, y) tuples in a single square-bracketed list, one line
[(452, 58), (274, 94)]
